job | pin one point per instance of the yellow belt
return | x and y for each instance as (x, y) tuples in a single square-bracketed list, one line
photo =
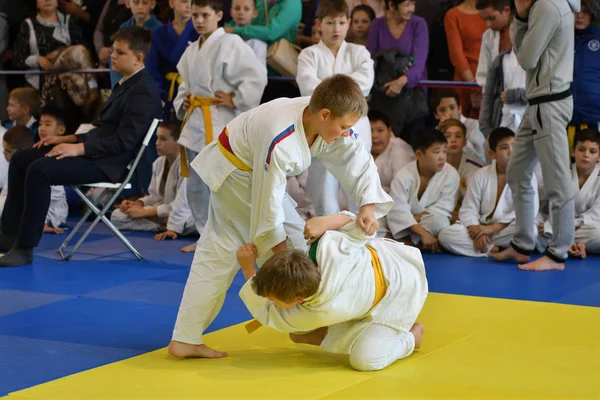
[(571, 130), (225, 147), (204, 103), (380, 287), (174, 78)]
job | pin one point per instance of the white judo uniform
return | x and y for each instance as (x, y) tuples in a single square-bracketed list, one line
[(479, 207), (316, 63), (374, 337), (587, 212), (259, 47), (249, 202), (226, 63), (477, 145), (58, 210), (467, 168), (168, 196), (438, 200)]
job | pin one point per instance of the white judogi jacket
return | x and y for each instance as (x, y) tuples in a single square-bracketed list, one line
[(396, 155), (226, 63), (490, 43), (58, 210), (477, 146), (316, 63), (587, 201), (439, 198), (172, 202), (259, 48), (347, 290), (297, 188), (479, 205), (467, 168), (270, 139)]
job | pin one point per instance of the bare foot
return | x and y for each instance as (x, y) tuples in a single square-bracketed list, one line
[(185, 350), (315, 337), (509, 254), (542, 264), (190, 248), (418, 330)]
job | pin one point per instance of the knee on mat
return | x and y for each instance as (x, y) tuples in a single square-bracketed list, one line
[(364, 361)]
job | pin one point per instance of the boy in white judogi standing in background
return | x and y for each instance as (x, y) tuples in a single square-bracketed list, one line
[(391, 154), (351, 294), (424, 193), (458, 156), (333, 55), (166, 204), (487, 215), (586, 175), (246, 169), (243, 12), (221, 78)]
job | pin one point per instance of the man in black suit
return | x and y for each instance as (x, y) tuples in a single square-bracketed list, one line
[(101, 155)]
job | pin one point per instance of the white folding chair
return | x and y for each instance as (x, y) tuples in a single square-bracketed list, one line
[(91, 207)]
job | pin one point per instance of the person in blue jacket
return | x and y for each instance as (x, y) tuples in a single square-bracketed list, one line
[(586, 71)]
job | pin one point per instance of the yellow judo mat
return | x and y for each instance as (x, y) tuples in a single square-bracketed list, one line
[(473, 348)]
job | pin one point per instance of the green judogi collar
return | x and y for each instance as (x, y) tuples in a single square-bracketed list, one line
[(312, 252)]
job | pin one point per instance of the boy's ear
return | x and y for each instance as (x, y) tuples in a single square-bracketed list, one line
[(419, 153), (318, 23), (492, 154), (299, 300), (255, 13), (324, 114), (62, 129), (219, 15), (128, 3)]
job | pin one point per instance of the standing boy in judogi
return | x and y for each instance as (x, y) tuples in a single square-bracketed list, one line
[(585, 174), (333, 55), (351, 294), (544, 45), (168, 44), (424, 193), (487, 216), (246, 169), (221, 77)]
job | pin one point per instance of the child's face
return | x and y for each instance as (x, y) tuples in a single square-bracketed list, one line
[(334, 30), (47, 5), (360, 24), (15, 110), (205, 19), (316, 34), (124, 60), (380, 137), (283, 304), (494, 19), (503, 152), (456, 140), (404, 11), (165, 144), (181, 8), (50, 127), (243, 12), (583, 19), (587, 154), (8, 151), (434, 159), (141, 9), (333, 128), (448, 108)]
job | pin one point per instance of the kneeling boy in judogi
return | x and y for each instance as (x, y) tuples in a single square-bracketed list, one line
[(487, 215), (424, 193), (351, 294)]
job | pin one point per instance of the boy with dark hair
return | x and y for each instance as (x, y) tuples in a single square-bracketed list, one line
[(362, 301), (424, 193), (487, 215), (103, 154), (246, 169)]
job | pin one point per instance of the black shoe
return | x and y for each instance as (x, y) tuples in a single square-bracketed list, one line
[(16, 257), (6, 242)]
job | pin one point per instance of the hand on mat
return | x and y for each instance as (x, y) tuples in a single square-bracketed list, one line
[(51, 229), (65, 150), (578, 250), (430, 243), (366, 219), (187, 101), (247, 255), (166, 235), (223, 99), (481, 243)]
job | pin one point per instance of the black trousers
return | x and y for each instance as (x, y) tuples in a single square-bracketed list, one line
[(30, 176)]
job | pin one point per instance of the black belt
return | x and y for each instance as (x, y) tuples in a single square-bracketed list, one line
[(548, 98)]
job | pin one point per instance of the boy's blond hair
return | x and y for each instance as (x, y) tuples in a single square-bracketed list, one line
[(286, 276), (341, 95), (443, 127), (332, 9), (26, 97)]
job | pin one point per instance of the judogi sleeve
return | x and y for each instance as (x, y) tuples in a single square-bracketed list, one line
[(447, 200), (471, 205), (400, 216), (364, 74), (307, 77), (180, 210)]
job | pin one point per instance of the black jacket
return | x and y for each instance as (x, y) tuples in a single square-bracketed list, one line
[(122, 125)]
